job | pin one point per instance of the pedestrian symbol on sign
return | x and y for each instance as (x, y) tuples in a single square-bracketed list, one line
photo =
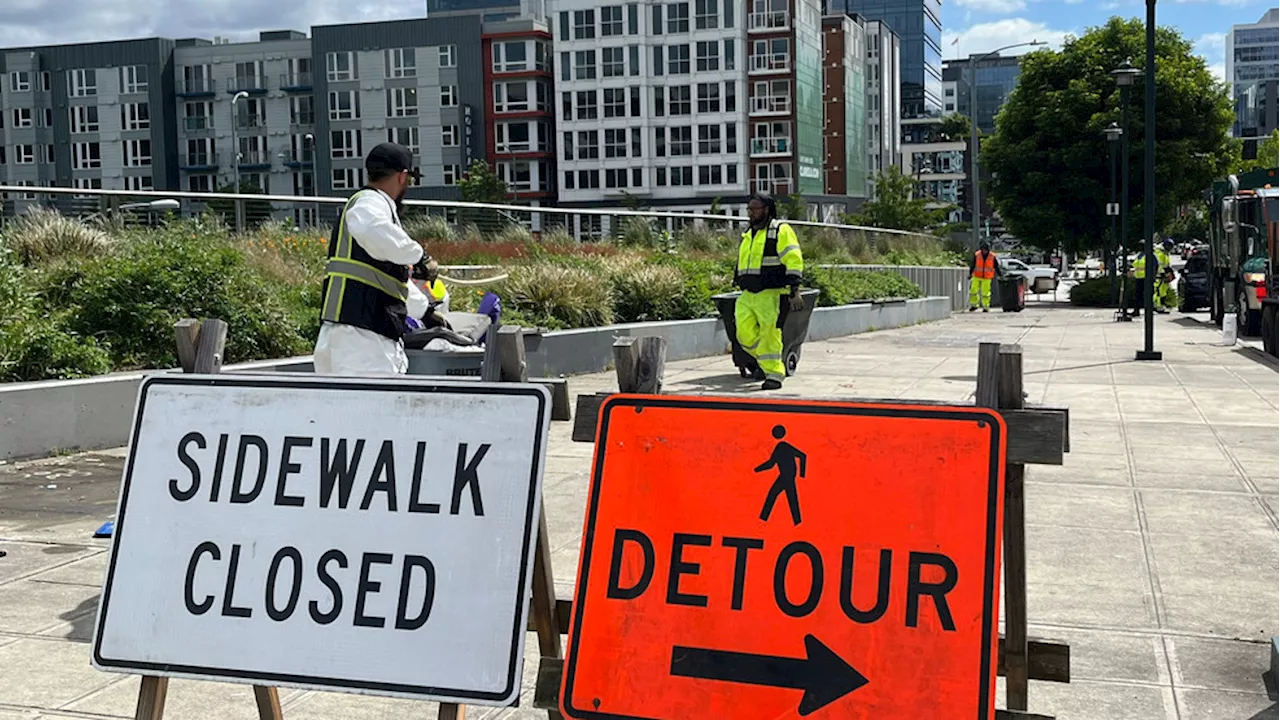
[(787, 459)]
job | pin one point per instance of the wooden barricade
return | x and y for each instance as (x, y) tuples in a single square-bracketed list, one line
[(1036, 436)]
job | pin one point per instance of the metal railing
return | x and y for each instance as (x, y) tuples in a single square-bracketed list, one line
[(197, 86), (456, 218), (188, 161), (771, 146), (197, 123), (247, 83), (296, 81), (771, 62), (769, 21), (780, 104)]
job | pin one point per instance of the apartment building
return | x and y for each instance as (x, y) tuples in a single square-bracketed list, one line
[(935, 162), (519, 118), (844, 117), (918, 24), (419, 83), (82, 116), (246, 108), (651, 103), (883, 107)]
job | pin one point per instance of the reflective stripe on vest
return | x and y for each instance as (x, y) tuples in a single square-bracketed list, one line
[(984, 268), (341, 269)]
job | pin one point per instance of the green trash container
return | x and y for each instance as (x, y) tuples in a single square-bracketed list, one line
[(1013, 292)]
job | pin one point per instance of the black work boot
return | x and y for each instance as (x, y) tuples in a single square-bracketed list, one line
[(771, 384)]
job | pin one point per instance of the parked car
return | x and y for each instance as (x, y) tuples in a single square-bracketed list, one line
[(1193, 283), (1038, 279)]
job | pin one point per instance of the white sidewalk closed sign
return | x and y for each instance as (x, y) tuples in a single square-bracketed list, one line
[(370, 536)]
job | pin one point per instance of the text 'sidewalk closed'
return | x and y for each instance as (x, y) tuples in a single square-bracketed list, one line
[(786, 559)]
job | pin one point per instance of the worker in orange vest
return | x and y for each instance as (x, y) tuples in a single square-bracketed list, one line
[(982, 270)]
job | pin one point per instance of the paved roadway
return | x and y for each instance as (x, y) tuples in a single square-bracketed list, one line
[(1153, 550)]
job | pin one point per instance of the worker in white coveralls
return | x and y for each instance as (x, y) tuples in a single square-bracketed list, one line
[(367, 291)]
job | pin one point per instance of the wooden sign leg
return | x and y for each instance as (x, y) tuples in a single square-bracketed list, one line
[(151, 698), (268, 699), (453, 711), (1015, 545)]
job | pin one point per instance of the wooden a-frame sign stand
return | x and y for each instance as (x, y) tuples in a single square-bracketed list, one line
[(200, 350), (1036, 436)]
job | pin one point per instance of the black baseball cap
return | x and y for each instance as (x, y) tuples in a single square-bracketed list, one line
[(393, 157)]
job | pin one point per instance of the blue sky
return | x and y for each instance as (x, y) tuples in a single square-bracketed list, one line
[(984, 25)]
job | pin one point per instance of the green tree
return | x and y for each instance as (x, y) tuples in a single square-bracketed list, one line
[(791, 207), (956, 127), (481, 184), (1049, 158), (897, 205)]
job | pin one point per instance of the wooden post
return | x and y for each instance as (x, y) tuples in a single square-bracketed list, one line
[(652, 365), (1015, 544), (200, 350), (626, 355)]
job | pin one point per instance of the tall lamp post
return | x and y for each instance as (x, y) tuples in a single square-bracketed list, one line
[(1148, 351), (973, 133), (235, 156), (1113, 133), (1126, 75)]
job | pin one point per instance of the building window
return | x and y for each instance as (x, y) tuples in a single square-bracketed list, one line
[(84, 118), (681, 176), (85, 156), (402, 102), (567, 146), (448, 96), (347, 178), (588, 145), (512, 137), (345, 144), (22, 118), (710, 175), (449, 136), (82, 83), (86, 183), (678, 17), (138, 183), (304, 184), (406, 137), (708, 97), (47, 152), (340, 66), (135, 116), (451, 175), (708, 56), (615, 142), (615, 102), (137, 153), (610, 20), (681, 141), (660, 143), (615, 177), (633, 19), (587, 105), (678, 60), (584, 24), (46, 81), (584, 65), (197, 116), (344, 105), (659, 103), (400, 62), (730, 96), (637, 145), (20, 81), (199, 183), (251, 113), (680, 100), (200, 151), (771, 55), (510, 56), (730, 138), (302, 111), (249, 76), (706, 14), (612, 60), (517, 175), (730, 55), (709, 139), (448, 56), (588, 179), (133, 79), (511, 97)]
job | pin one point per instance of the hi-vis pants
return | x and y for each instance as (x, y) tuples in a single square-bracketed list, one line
[(979, 289), (756, 317)]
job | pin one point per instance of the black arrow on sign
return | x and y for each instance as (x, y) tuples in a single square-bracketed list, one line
[(823, 675)]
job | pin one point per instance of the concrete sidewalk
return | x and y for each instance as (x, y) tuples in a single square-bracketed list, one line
[(1153, 550)]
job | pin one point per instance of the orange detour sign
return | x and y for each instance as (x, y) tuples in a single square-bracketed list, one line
[(762, 559)]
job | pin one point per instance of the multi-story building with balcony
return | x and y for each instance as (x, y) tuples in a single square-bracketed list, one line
[(246, 108), (883, 108), (419, 83), (82, 116), (1253, 69), (936, 162), (785, 100), (651, 103), (844, 113), (519, 116)]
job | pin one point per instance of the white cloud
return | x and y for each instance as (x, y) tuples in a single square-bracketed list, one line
[(1074, 2), (985, 37), (995, 7), (1211, 47), (1229, 3)]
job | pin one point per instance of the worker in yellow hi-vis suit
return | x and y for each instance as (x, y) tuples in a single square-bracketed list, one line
[(769, 269)]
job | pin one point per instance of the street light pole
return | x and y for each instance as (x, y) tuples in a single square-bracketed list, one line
[(1149, 196), (973, 135), (1113, 133), (1125, 76), (235, 158)]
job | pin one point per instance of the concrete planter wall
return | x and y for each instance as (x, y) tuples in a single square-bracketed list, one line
[(41, 418)]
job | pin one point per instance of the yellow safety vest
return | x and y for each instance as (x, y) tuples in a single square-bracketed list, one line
[(769, 258)]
